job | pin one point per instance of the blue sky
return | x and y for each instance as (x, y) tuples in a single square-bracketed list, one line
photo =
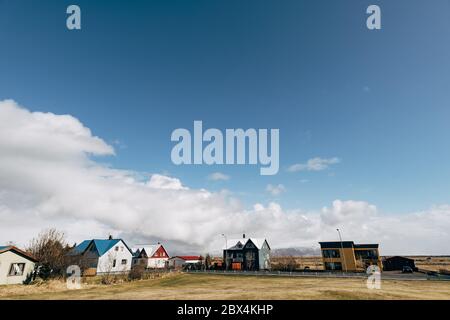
[(377, 100)]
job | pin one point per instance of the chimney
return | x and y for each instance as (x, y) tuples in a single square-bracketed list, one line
[(243, 236), (110, 237)]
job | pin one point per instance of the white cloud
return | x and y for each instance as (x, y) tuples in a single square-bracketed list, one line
[(158, 181), (314, 164), (275, 190), (218, 176), (47, 179), (344, 211)]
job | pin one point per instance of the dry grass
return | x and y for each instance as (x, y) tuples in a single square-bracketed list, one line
[(314, 263), (431, 263), (200, 286)]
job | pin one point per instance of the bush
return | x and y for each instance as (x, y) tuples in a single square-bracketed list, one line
[(285, 264), (136, 273), (44, 271), (30, 278)]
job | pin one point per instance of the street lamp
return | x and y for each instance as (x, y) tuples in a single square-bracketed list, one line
[(342, 247), (226, 251)]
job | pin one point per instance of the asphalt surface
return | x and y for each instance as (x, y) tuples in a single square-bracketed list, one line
[(388, 275)]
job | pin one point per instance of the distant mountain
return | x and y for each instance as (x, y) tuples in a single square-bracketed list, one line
[(295, 252)]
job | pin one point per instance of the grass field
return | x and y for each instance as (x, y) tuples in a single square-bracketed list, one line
[(202, 286), (431, 263)]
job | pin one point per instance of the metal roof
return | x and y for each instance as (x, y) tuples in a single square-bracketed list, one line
[(232, 244), (346, 244), (101, 245), (398, 258), (149, 249), (366, 246), (186, 258), (336, 244)]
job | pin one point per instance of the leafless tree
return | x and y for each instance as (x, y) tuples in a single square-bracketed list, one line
[(50, 249), (287, 263), (208, 261)]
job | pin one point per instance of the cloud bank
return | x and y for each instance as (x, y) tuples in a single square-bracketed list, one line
[(48, 178)]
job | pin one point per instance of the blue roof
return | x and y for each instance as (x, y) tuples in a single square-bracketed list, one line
[(102, 246), (82, 246), (4, 247)]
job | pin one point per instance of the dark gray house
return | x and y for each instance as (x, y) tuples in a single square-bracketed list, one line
[(249, 254), (397, 263)]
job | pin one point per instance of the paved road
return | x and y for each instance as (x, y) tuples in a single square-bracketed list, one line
[(384, 275)]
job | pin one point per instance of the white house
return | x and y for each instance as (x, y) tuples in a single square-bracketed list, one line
[(15, 265), (152, 256), (105, 256)]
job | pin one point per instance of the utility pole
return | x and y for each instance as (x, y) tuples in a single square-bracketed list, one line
[(342, 248), (226, 251)]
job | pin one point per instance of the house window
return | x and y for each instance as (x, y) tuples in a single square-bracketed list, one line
[(366, 254), (16, 269), (116, 248), (114, 263), (121, 249), (331, 253), (333, 266), (124, 261)]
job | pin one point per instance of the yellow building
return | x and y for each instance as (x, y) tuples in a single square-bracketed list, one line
[(348, 256)]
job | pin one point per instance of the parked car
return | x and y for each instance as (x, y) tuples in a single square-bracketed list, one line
[(407, 269)]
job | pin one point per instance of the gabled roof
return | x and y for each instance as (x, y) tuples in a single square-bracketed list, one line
[(102, 246), (79, 249), (149, 249), (233, 243), (17, 251), (258, 242)]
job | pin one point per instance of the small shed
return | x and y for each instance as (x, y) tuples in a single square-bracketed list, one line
[(397, 263), (179, 262), (15, 265)]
